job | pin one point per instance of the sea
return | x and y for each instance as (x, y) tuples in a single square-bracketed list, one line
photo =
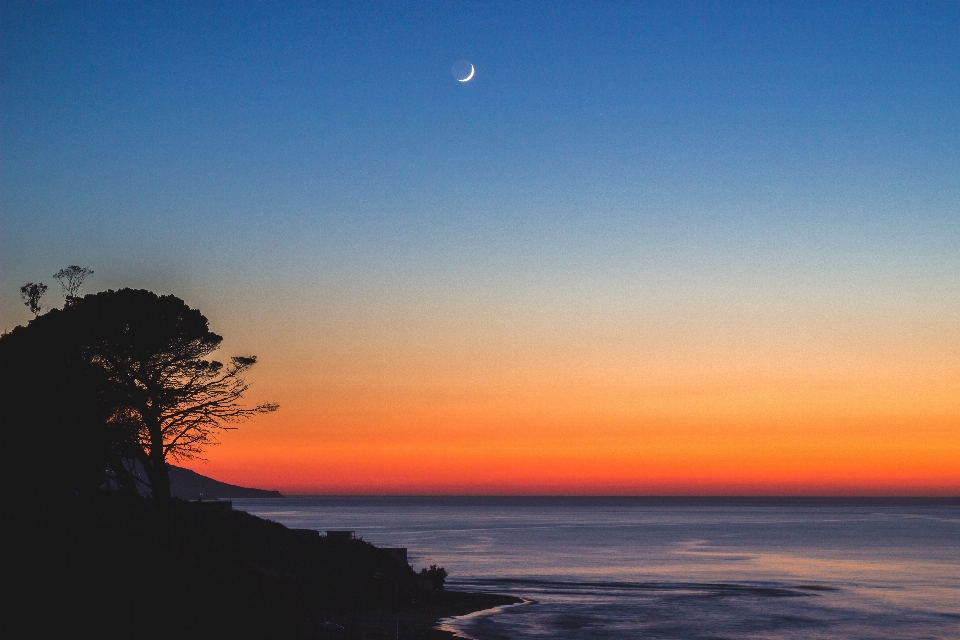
[(630, 568)]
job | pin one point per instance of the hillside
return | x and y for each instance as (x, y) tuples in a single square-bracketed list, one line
[(118, 568), (190, 485)]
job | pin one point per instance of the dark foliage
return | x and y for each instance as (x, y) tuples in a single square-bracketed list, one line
[(31, 294), (435, 575), (114, 377), (55, 439), (71, 280)]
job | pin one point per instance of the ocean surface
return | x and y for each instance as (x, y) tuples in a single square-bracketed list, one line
[(673, 567)]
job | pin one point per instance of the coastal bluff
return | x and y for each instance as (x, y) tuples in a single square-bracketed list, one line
[(115, 566)]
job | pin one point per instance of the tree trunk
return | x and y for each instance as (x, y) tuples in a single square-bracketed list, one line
[(159, 475), (160, 485)]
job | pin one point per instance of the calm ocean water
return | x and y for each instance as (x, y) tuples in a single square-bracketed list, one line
[(673, 568)]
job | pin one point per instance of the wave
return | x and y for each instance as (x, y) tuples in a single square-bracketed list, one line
[(705, 589)]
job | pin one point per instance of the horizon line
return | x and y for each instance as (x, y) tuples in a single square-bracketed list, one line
[(621, 496)]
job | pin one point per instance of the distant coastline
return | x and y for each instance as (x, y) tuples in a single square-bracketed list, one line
[(190, 485)]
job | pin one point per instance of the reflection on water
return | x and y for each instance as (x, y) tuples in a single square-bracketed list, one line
[(629, 568)]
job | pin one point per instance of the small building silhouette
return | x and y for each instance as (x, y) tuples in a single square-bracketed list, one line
[(341, 535)]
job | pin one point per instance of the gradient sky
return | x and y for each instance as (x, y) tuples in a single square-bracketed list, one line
[(651, 248)]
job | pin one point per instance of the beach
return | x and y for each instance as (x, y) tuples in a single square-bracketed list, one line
[(421, 622)]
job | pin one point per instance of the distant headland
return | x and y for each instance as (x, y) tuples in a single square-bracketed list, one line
[(190, 485)]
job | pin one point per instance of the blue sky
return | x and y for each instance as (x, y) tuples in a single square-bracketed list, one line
[(167, 128), (671, 143)]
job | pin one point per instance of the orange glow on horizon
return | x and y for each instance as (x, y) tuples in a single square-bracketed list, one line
[(424, 406), (738, 444)]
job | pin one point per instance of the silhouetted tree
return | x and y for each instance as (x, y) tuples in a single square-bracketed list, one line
[(436, 575), (113, 378), (168, 398), (71, 280), (31, 294), (55, 440)]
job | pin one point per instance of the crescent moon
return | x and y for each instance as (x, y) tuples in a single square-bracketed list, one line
[(467, 79)]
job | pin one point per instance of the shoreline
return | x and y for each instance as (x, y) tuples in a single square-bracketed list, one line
[(419, 621), (499, 601), (442, 625)]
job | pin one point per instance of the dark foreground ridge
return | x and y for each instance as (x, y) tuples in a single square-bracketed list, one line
[(120, 568)]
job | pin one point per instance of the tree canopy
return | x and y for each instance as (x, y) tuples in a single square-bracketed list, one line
[(71, 280), (131, 385), (31, 294)]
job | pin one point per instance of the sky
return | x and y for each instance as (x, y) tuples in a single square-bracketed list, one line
[(660, 248)]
